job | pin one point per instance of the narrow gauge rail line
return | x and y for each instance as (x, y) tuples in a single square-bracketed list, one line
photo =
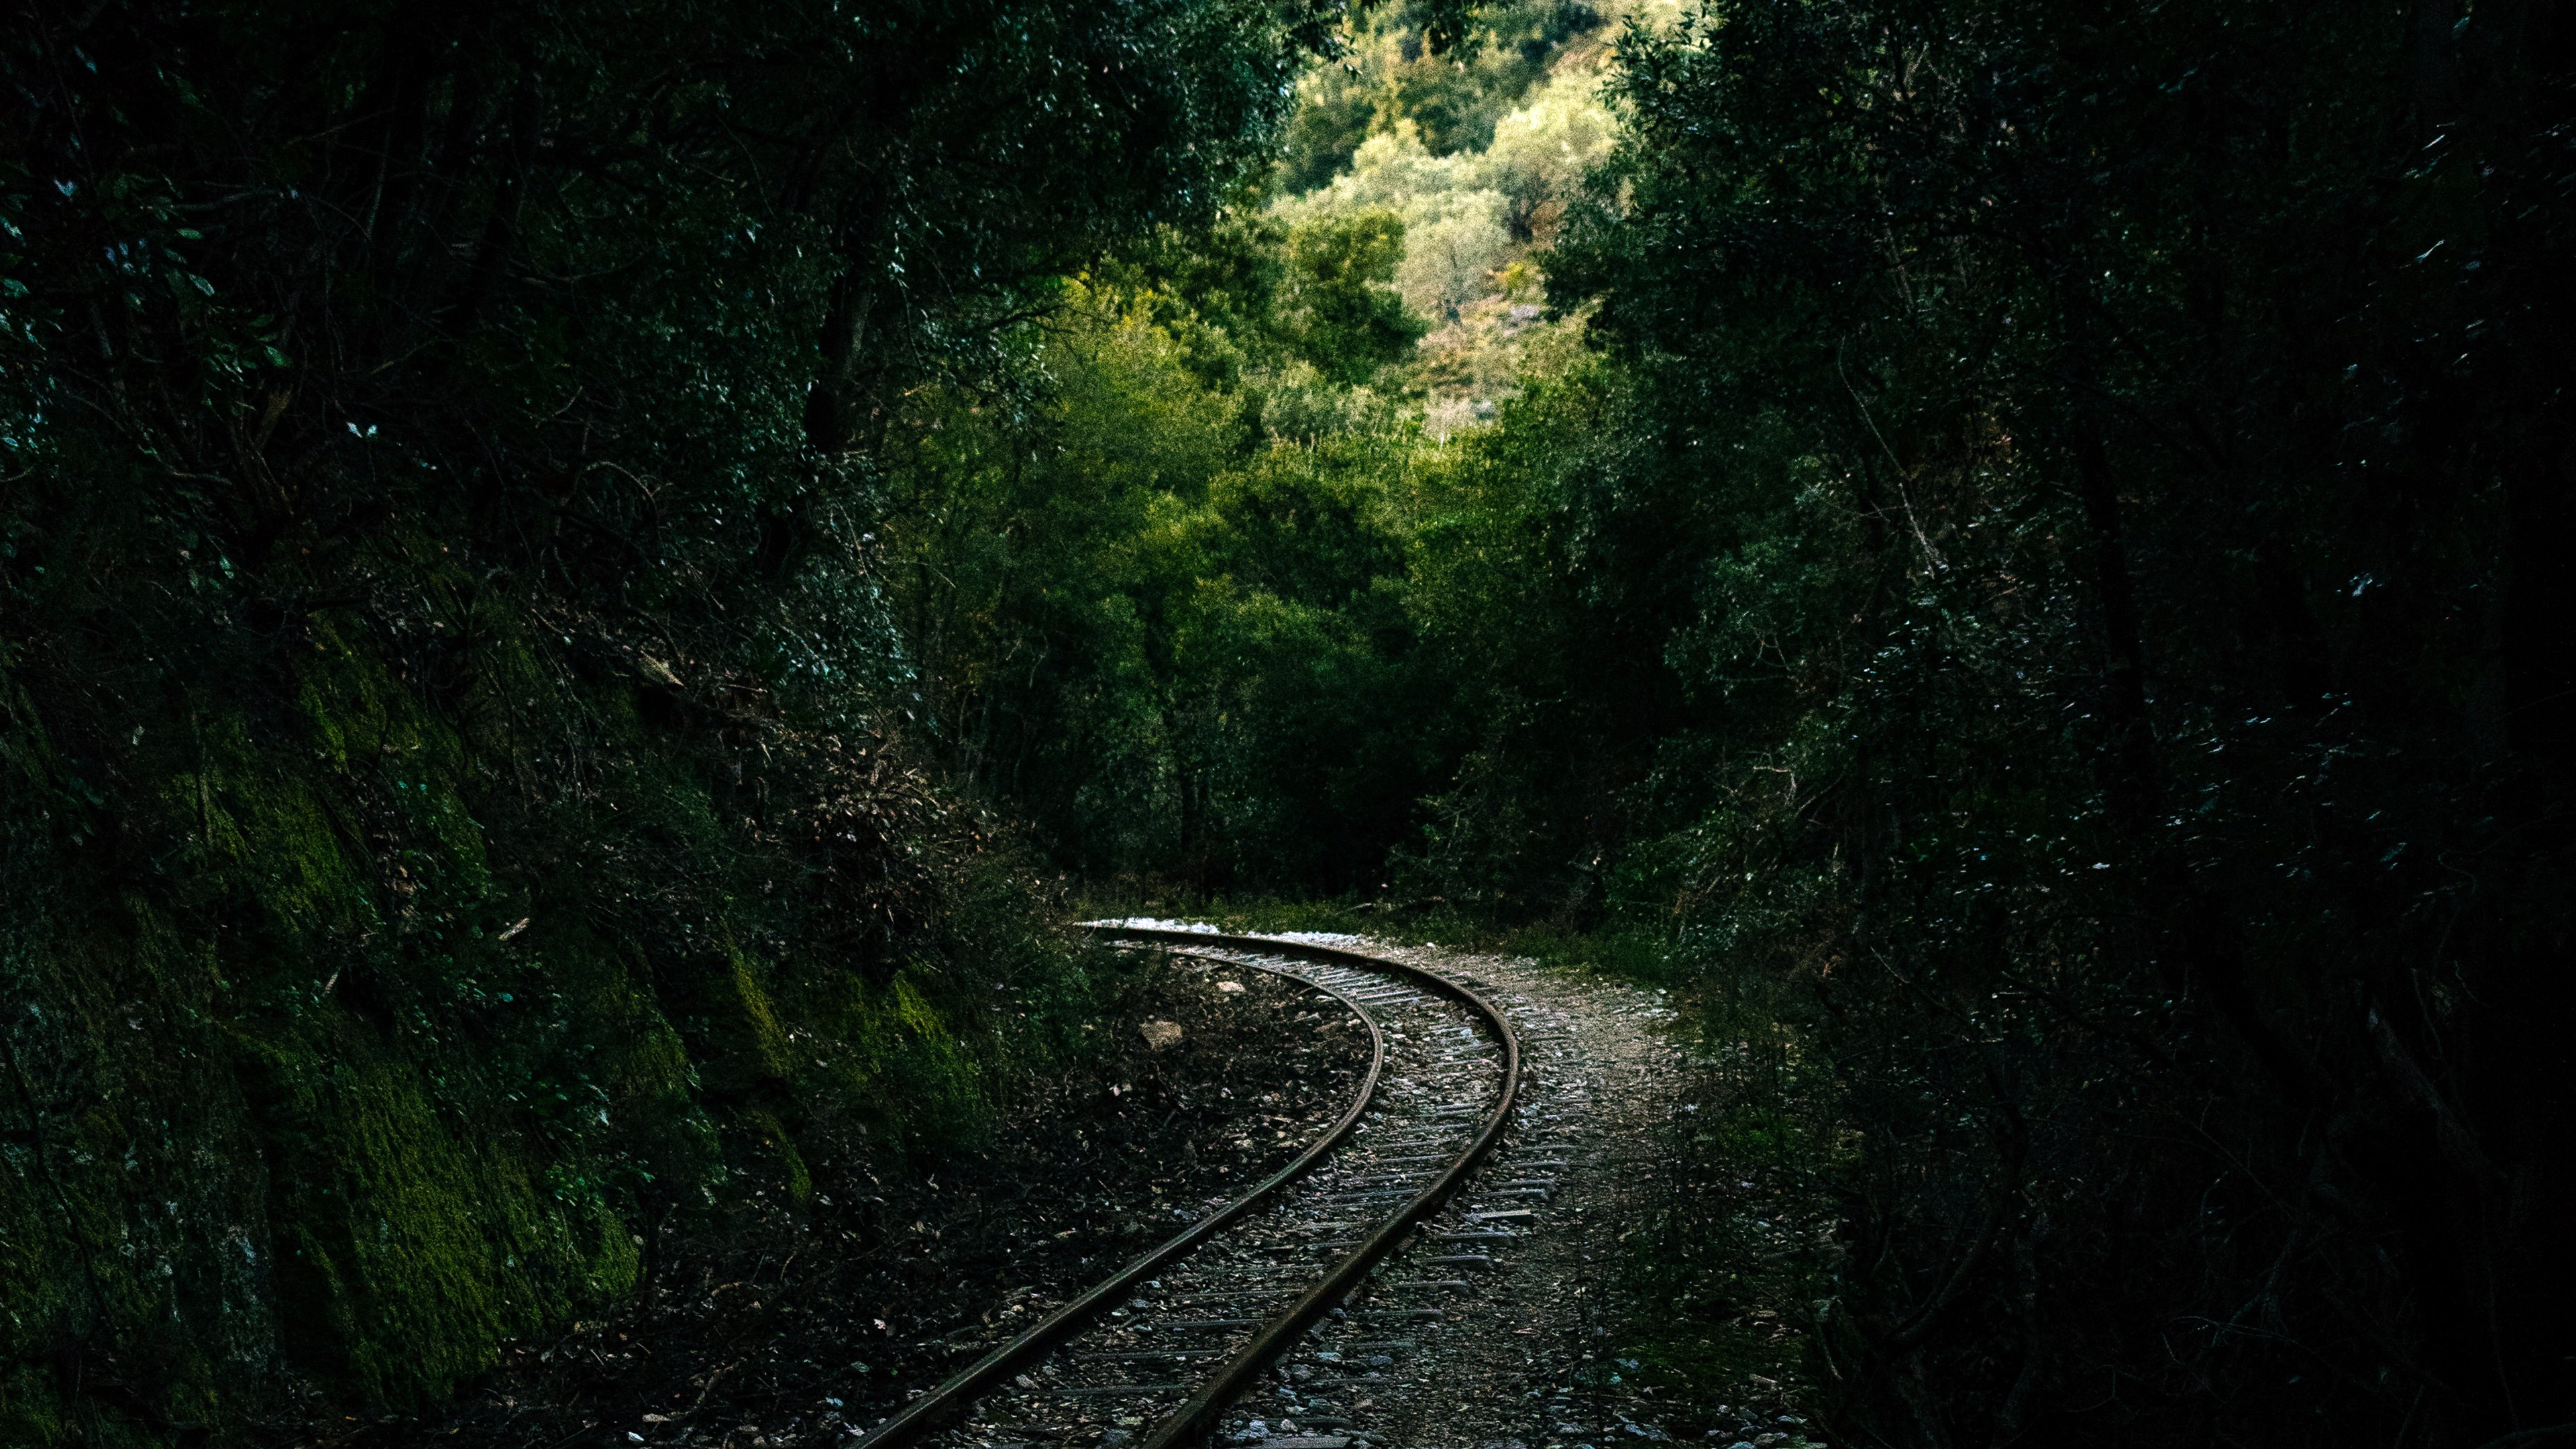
[(1202, 1310)]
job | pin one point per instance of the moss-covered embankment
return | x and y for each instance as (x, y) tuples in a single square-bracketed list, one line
[(374, 982)]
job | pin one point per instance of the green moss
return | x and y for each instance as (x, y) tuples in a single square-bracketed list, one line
[(419, 1249), (770, 1154), (266, 835), (375, 1044), (763, 1042), (31, 1411)]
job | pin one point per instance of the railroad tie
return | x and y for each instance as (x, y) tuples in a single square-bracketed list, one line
[(1099, 1390), (1235, 1297)]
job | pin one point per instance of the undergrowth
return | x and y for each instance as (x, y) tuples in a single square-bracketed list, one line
[(380, 986)]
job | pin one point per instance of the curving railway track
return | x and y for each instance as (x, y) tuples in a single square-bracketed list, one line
[(1171, 1349)]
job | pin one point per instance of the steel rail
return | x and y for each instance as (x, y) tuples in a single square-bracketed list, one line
[(1196, 1417), (989, 1372)]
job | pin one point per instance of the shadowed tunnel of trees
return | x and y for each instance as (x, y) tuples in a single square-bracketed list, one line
[(578, 584)]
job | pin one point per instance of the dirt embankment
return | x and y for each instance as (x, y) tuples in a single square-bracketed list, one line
[(841, 1304)]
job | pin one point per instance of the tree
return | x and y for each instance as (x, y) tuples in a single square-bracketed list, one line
[(1339, 303), (445, 687), (2081, 436)]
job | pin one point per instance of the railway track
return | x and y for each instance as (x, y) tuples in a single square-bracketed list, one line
[(1164, 1351)]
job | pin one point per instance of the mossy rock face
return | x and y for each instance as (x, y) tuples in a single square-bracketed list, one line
[(343, 1046), (416, 1246), (133, 1191), (742, 1048)]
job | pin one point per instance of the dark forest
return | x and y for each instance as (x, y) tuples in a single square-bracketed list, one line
[(587, 591)]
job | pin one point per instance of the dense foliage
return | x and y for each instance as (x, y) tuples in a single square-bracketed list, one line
[(1162, 604), (2047, 596), (2104, 475), (2017, 553), (456, 812)]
